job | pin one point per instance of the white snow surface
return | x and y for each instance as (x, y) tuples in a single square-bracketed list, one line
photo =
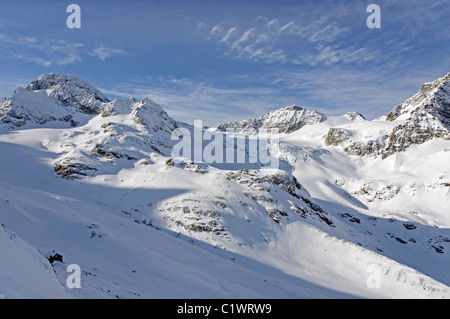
[(106, 194)]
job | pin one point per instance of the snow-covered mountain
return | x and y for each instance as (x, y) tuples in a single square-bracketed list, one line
[(51, 98), (285, 120), (421, 118), (70, 91), (353, 210)]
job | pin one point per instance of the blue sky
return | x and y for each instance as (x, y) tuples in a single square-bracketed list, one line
[(230, 60)]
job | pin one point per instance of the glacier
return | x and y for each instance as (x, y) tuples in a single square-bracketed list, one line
[(95, 180)]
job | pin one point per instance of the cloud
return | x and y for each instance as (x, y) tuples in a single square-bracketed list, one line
[(104, 52), (272, 22), (36, 60), (333, 89), (272, 40), (333, 54), (229, 34), (188, 100), (251, 44), (63, 52), (43, 52), (202, 25), (327, 34), (268, 56), (338, 89), (244, 38), (216, 29), (48, 52), (290, 27)]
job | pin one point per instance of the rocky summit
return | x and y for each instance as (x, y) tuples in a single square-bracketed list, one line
[(285, 120)]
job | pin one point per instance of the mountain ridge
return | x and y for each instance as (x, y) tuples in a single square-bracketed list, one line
[(108, 194), (284, 120), (424, 116), (70, 90)]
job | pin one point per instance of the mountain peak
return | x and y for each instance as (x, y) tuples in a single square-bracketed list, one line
[(423, 117), (285, 120), (67, 99), (433, 98), (70, 90)]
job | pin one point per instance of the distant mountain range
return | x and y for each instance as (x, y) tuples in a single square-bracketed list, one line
[(356, 208)]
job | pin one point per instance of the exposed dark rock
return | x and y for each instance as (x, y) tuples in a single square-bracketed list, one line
[(336, 136), (72, 171)]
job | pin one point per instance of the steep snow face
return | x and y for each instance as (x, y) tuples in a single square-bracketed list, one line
[(61, 100), (32, 109), (25, 272), (153, 117), (354, 116), (285, 120), (126, 131), (119, 130), (146, 114), (396, 206)]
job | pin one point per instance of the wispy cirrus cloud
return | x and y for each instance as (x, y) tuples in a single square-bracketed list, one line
[(327, 34), (271, 41), (202, 25), (187, 100), (250, 44), (216, 29), (44, 52), (48, 52), (229, 35), (333, 54), (371, 93), (104, 52)]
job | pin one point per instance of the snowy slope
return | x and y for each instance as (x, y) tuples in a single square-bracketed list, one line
[(396, 207), (125, 257), (121, 257), (106, 194), (25, 272)]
